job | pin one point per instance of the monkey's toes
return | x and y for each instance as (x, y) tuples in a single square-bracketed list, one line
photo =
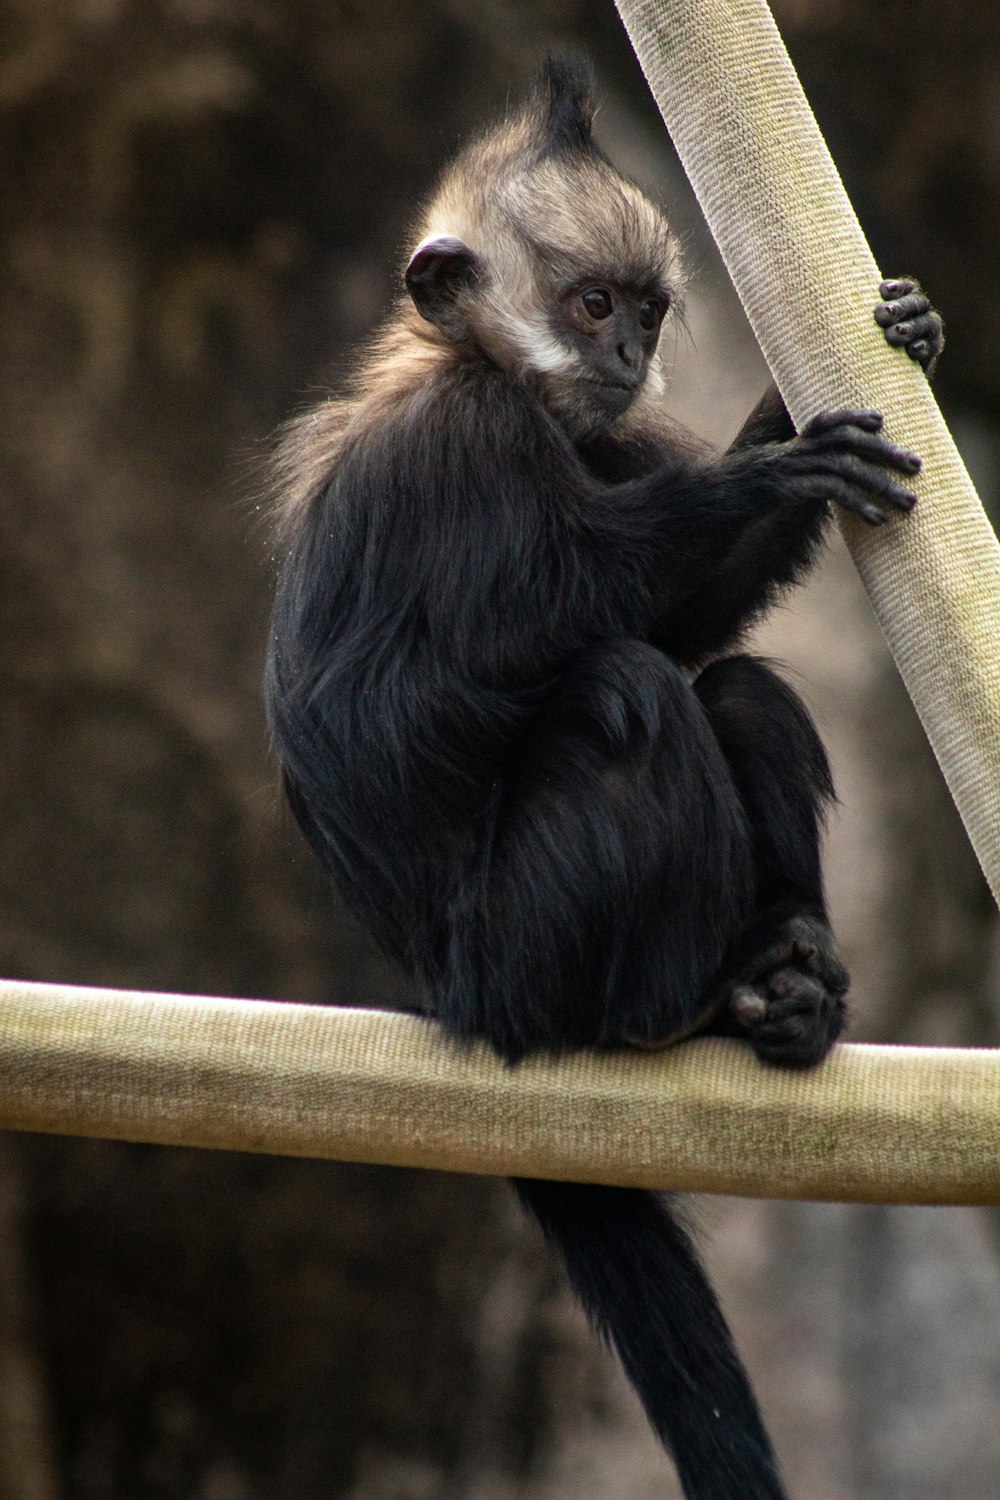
[(788, 1000), (747, 1006), (800, 1021)]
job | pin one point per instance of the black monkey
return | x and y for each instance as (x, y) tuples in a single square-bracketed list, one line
[(498, 691)]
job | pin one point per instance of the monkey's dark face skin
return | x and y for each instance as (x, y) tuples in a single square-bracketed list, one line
[(615, 332), (505, 687)]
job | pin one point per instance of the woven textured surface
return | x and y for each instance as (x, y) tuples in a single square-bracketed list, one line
[(880, 1124), (775, 204), (873, 1123)]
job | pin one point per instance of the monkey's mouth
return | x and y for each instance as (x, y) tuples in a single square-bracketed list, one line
[(589, 406), (614, 395)]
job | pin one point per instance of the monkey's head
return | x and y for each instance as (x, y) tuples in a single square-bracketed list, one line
[(537, 252)]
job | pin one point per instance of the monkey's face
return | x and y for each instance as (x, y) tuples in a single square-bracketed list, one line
[(587, 345), (538, 253), (610, 334)]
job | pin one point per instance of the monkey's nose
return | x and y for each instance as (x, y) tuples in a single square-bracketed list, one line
[(630, 353)]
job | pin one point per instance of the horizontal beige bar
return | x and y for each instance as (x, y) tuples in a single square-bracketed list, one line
[(888, 1124)]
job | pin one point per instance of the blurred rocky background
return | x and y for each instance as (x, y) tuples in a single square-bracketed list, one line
[(203, 205)]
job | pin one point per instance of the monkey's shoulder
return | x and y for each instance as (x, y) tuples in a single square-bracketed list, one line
[(476, 405), (471, 434)]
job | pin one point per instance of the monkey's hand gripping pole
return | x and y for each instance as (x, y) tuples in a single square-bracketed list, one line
[(776, 206)]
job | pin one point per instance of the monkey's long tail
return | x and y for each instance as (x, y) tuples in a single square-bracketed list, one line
[(639, 1279)]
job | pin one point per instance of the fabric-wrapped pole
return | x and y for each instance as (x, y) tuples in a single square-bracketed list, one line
[(806, 277), (885, 1124)]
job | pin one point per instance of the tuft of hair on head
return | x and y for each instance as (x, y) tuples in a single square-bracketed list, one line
[(563, 95)]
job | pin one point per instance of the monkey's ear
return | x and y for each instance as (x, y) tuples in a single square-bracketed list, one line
[(439, 269)]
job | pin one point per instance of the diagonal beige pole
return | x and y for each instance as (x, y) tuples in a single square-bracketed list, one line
[(797, 257)]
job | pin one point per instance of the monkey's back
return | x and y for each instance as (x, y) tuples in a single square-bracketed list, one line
[(431, 592)]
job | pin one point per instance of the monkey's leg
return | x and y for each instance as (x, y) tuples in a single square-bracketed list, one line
[(782, 984), (618, 872)]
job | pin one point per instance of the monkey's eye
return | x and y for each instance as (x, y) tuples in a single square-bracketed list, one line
[(598, 304), (650, 314)]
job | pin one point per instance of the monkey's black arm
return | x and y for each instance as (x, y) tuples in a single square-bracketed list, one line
[(730, 535), (769, 422), (726, 536), (773, 552), (780, 544)]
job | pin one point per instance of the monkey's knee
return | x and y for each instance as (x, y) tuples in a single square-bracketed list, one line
[(744, 687), (762, 725), (625, 688), (620, 869)]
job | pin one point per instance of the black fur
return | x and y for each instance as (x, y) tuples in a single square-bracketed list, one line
[(527, 801), (565, 87), (514, 784), (636, 1273), (487, 691)]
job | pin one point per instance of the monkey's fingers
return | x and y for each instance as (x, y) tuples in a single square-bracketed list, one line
[(900, 309), (836, 491), (854, 492), (824, 421), (919, 336), (842, 457), (898, 286), (863, 443), (850, 431), (867, 473), (902, 335), (910, 322)]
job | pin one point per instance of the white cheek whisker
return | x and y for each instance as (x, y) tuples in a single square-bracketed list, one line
[(540, 349)]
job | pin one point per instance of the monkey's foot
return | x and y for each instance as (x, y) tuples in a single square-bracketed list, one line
[(787, 997), (909, 322)]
